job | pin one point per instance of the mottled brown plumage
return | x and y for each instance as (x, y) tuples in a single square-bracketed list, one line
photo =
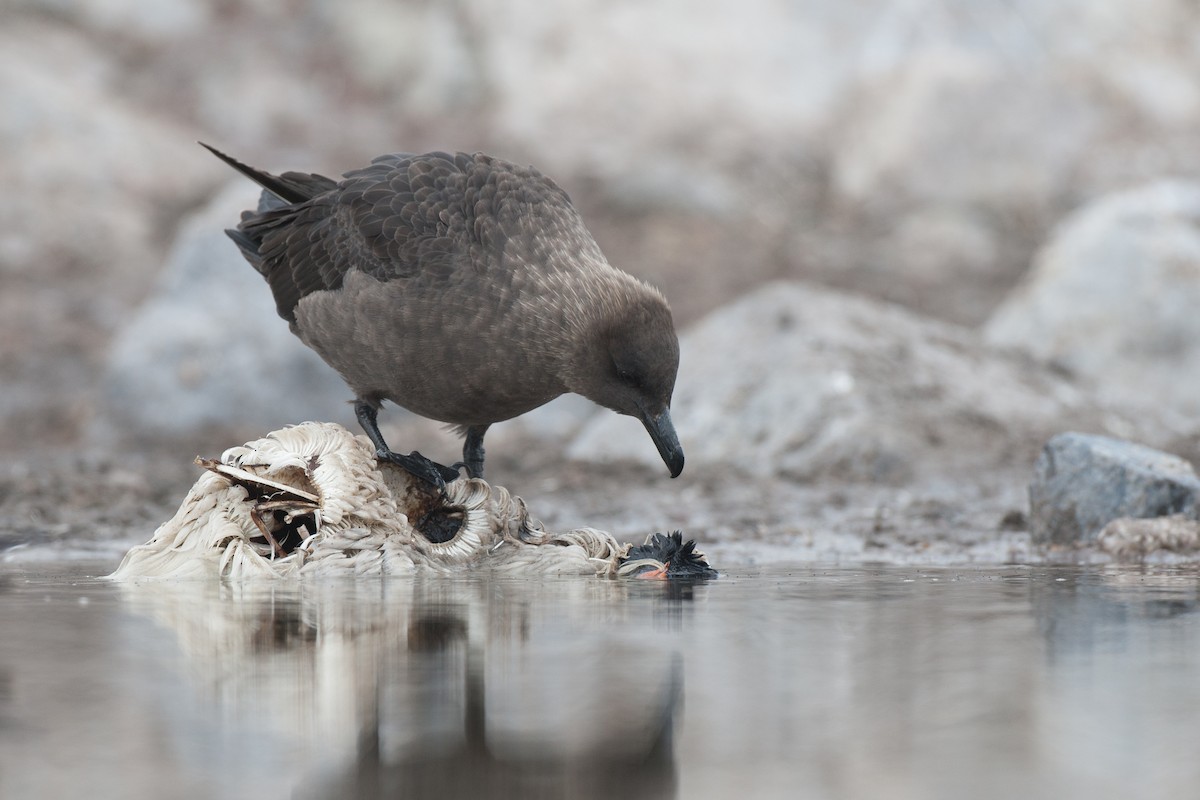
[(463, 288)]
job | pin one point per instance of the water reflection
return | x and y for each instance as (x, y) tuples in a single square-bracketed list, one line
[(878, 682), (416, 688), (1122, 681)]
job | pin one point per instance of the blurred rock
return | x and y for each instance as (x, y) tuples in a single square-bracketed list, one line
[(1083, 482), (131, 18), (558, 421), (422, 55), (1114, 294), (956, 124), (88, 159), (932, 243), (90, 182), (804, 382), (610, 90), (207, 349)]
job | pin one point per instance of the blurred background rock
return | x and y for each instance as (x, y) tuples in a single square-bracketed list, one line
[(919, 152)]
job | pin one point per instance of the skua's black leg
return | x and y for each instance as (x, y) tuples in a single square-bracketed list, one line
[(433, 473), (473, 451)]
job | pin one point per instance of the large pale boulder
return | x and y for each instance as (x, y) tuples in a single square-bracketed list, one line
[(804, 382), (1113, 296), (90, 181), (207, 348)]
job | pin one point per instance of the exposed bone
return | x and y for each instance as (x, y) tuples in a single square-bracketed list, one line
[(257, 485)]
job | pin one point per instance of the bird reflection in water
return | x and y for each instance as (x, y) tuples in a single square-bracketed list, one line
[(453, 688)]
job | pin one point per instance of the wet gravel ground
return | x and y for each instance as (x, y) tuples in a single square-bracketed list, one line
[(99, 504), (84, 502)]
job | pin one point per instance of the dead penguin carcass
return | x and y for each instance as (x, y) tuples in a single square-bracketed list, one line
[(312, 500)]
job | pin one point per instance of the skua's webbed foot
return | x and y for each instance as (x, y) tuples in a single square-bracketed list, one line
[(433, 473)]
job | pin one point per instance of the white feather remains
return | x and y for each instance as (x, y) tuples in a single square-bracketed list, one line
[(356, 516)]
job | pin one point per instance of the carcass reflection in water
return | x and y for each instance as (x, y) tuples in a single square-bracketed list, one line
[(1032, 682), (460, 687)]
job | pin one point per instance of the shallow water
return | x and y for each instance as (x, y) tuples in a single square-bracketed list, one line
[(848, 682)]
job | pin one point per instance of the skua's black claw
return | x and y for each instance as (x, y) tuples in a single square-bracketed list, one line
[(420, 467)]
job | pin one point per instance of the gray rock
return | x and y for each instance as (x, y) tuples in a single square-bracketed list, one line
[(207, 348), (806, 382), (1082, 482), (1113, 297)]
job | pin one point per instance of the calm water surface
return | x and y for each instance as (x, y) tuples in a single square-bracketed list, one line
[(887, 682)]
